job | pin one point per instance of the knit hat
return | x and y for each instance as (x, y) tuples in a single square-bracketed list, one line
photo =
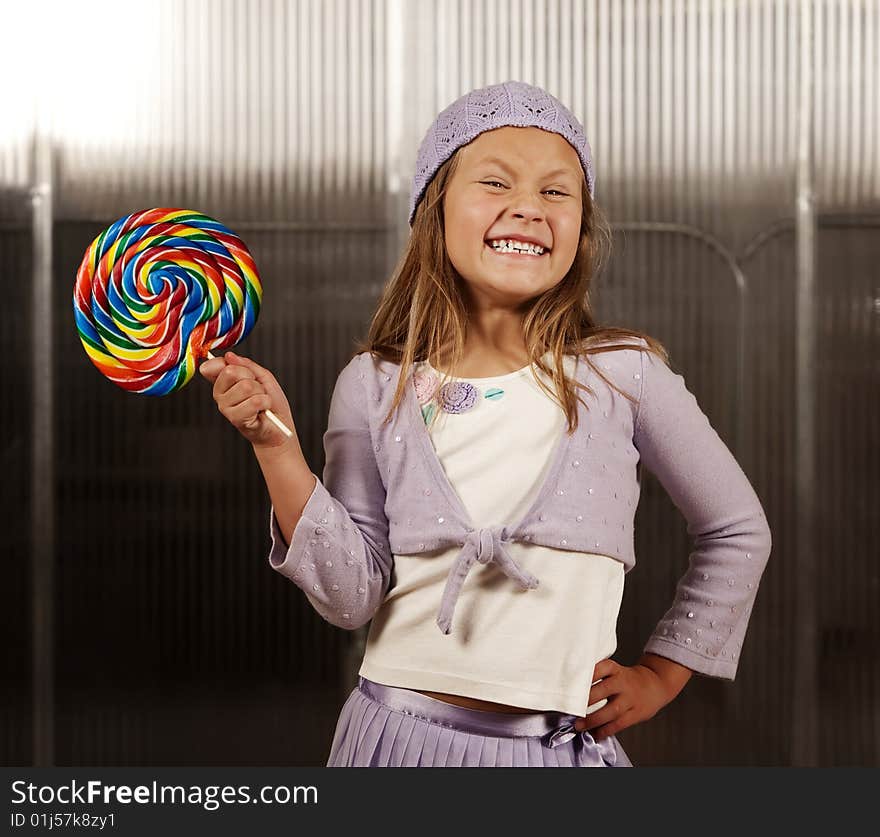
[(509, 103)]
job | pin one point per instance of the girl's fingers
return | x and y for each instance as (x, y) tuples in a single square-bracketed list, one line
[(247, 414), (595, 719), (210, 369), (605, 668), (240, 391), (602, 689), (621, 722), (239, 368), (261, 374), (228, 378), (608, 684), (238, 372), (608, 714)]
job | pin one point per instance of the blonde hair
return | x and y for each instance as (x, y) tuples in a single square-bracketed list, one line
[(422, 308)]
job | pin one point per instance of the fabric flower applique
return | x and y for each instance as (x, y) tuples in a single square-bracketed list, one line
[(457, 397), (454, 397), (425, 383)]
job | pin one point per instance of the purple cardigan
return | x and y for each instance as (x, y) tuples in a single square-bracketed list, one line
[(384, 491)]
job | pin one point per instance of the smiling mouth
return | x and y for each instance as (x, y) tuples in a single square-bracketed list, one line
[(522, 256)]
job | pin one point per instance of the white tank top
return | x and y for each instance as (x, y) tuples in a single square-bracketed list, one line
[(535, 649)]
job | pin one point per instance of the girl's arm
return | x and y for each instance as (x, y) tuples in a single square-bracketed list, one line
[(330, 535), (674, 676), (706, 625), (290, 482)]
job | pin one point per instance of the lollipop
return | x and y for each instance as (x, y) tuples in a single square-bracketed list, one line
[(156, 291)]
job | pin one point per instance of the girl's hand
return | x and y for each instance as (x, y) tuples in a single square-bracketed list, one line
[(635, 694), (244, 390)]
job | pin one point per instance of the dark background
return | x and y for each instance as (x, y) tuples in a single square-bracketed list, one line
[(135, 529)]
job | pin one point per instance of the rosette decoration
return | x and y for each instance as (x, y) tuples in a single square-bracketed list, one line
[(156, 291), (453, 397)]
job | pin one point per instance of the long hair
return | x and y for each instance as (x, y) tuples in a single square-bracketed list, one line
[(422, 313)]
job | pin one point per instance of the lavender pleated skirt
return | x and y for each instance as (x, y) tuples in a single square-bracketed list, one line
[(389, 726)]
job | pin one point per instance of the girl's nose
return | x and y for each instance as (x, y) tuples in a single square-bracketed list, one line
[(525, 204)]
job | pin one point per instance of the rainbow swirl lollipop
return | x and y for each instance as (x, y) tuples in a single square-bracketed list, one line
[(156, 291)]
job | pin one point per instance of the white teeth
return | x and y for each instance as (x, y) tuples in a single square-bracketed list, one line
[(509, 245)]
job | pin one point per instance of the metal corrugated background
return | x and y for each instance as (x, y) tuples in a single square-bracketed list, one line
[(736, 153)]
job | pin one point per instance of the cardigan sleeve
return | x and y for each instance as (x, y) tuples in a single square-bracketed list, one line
[(705, 627), (339, 555)]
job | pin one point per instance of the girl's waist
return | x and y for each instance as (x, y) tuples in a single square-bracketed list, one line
[(476, 703), (481, 721)]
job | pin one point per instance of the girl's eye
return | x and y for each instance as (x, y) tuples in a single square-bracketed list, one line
[(496, 183)]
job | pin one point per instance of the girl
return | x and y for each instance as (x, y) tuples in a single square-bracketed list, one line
[(477, 510)]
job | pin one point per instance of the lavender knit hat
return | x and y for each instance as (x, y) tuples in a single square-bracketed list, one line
[(509, 103)]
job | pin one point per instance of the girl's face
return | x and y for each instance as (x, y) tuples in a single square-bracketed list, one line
[(513, 183)]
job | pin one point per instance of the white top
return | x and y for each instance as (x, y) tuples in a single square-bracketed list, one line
[(507, 646)]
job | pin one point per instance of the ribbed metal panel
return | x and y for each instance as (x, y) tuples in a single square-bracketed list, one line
[(847, 122), (16, 263), (262, 110), (697, 115), (271, 117), (735, 146)]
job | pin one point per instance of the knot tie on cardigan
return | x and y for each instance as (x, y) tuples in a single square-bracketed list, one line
[(484, 545)]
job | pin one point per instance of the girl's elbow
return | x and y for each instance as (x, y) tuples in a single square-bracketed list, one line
[(352, 618), (768, 541), (348, 613), (347, 591), (759, 536)]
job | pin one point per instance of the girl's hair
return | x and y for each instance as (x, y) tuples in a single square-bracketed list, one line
[(422, 309)]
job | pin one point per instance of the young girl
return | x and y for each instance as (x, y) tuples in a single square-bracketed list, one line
[(474, 507)]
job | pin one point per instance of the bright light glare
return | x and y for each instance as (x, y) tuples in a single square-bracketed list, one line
[(77, 70), (395, 115)]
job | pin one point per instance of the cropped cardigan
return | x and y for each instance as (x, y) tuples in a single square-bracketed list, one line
[(384, 491)]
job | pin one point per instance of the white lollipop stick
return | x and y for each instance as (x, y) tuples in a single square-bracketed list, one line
[(270, 415)]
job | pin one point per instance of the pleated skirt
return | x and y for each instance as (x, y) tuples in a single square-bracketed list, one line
[(390, 726)]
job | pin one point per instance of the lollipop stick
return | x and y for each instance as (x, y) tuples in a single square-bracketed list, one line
[(269, 414)]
